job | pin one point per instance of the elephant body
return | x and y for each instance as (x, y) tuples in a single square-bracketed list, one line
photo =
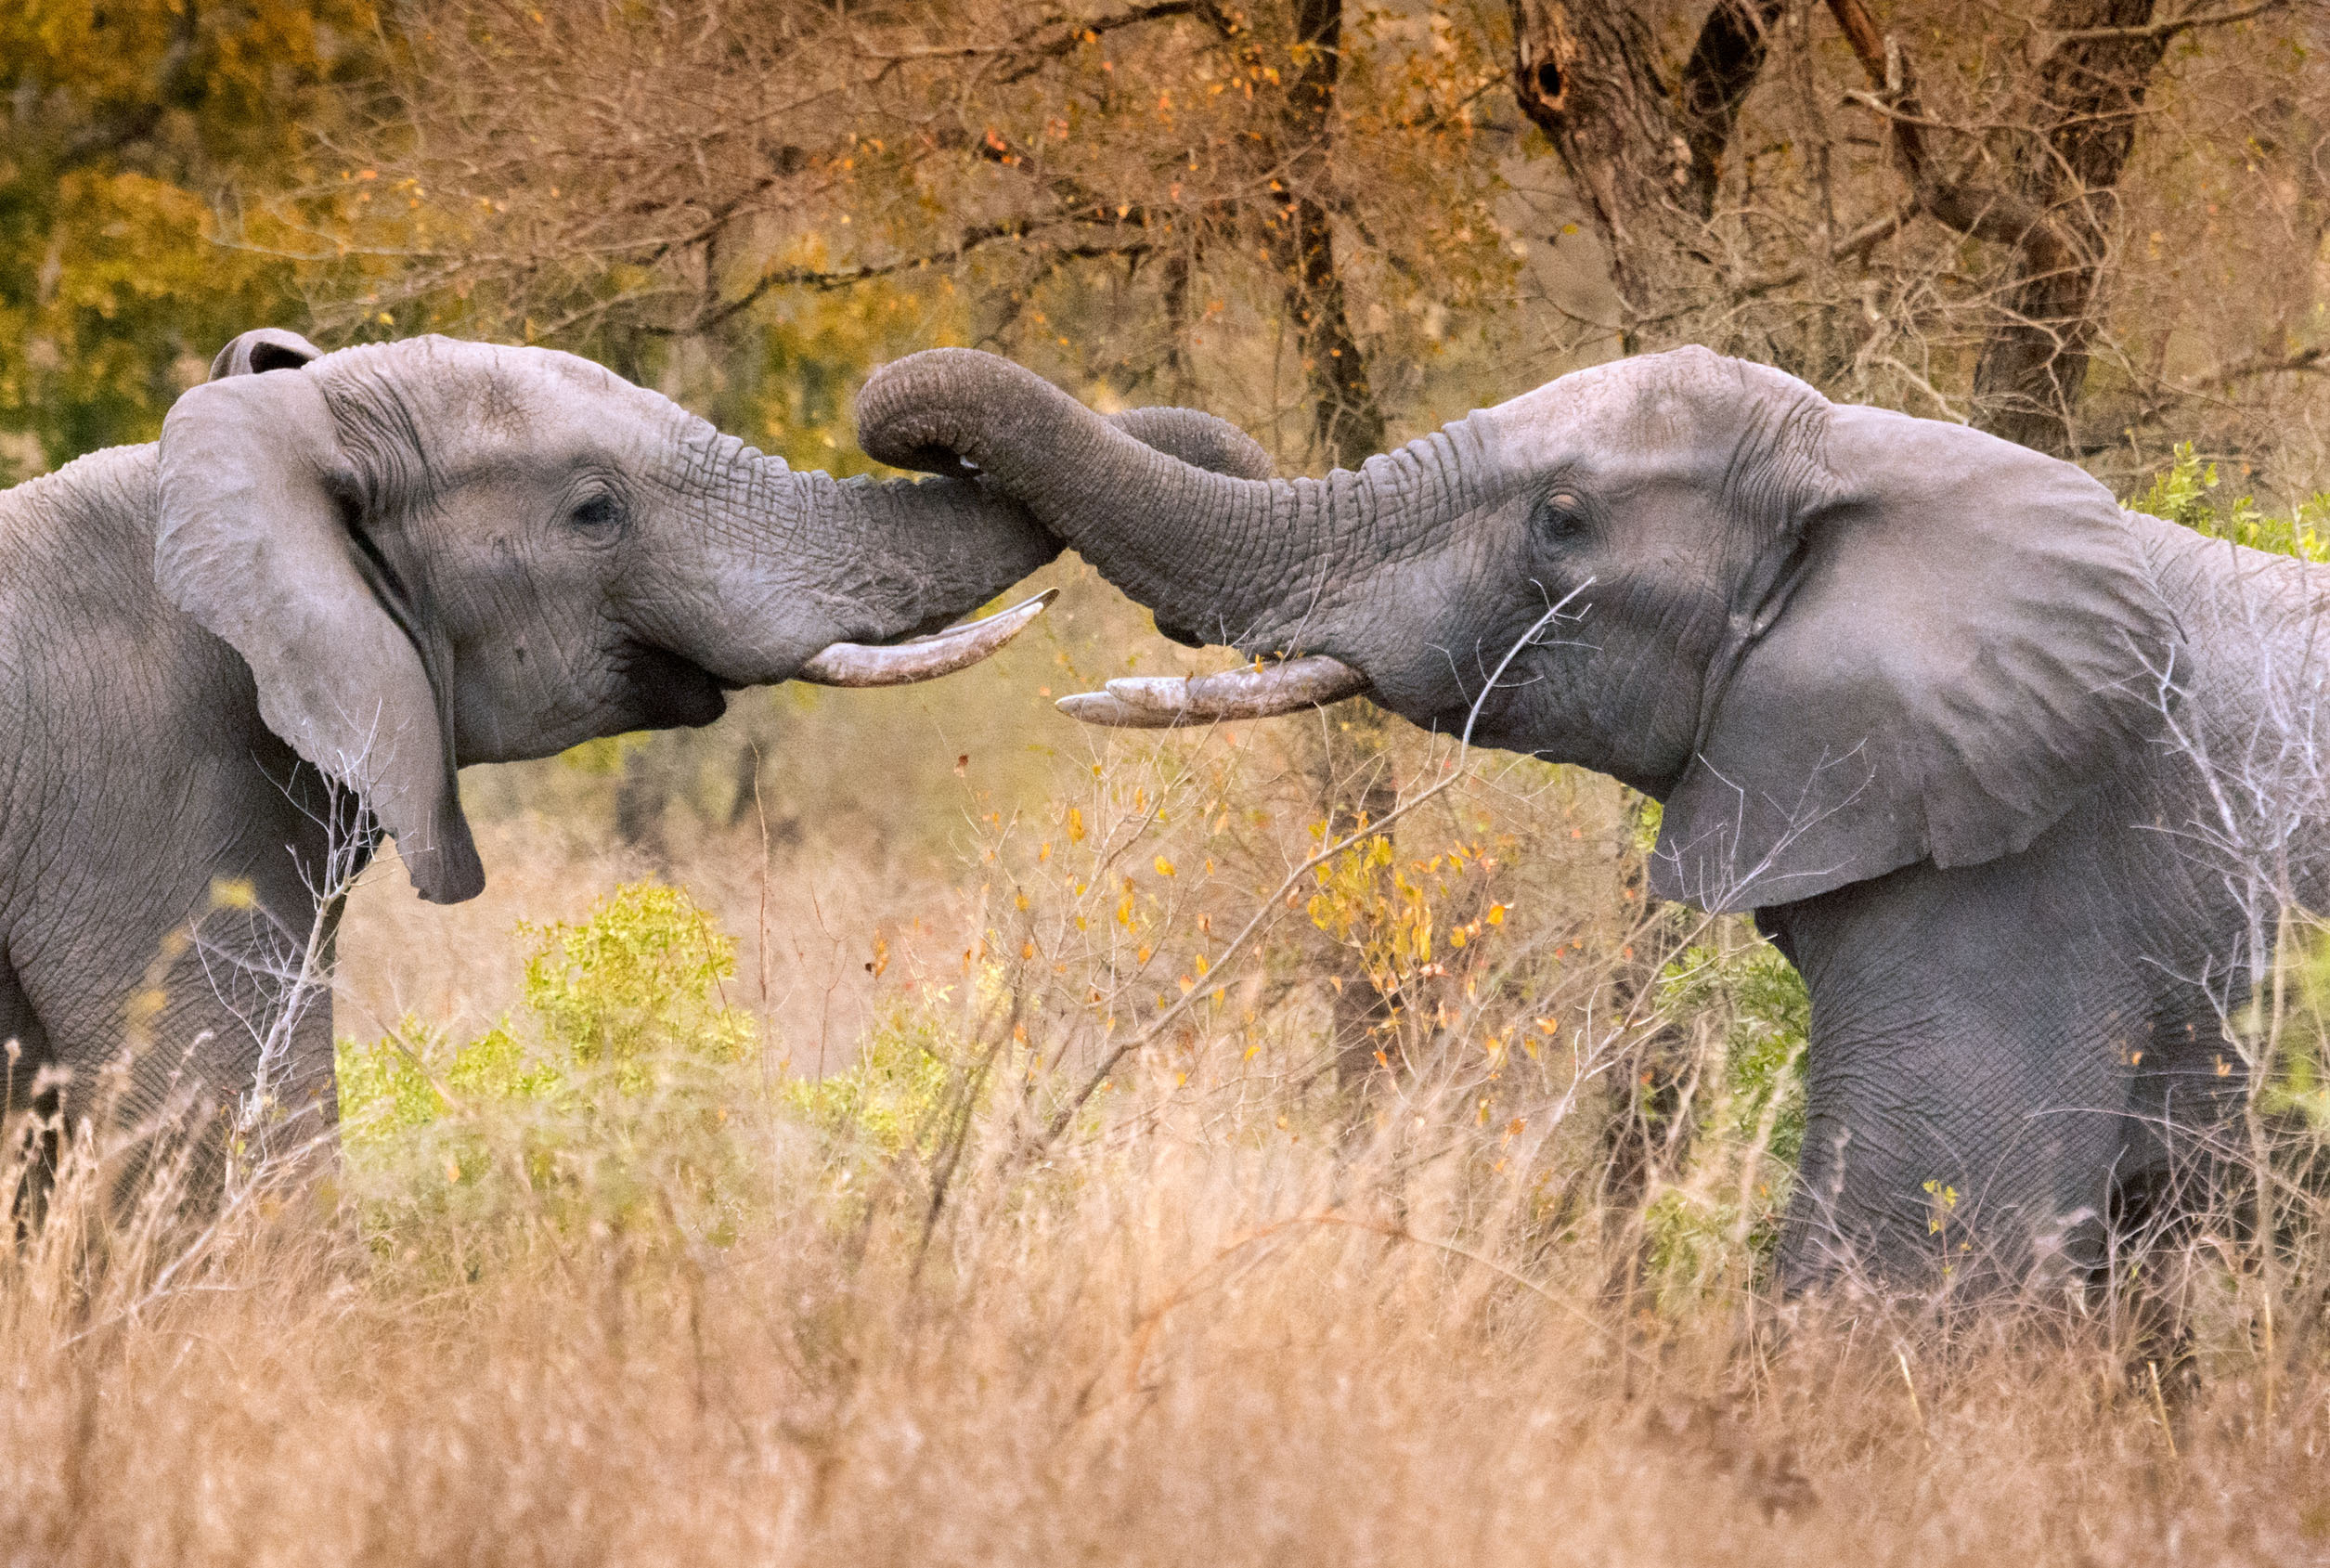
[(2021, 782), (114, 834), (233, 662), (2044, 1034)]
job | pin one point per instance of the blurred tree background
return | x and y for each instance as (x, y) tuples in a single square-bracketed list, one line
[(136, 130), (2095, 225)]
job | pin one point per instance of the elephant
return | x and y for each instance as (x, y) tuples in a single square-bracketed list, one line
[(2018, 780), (232, 660)]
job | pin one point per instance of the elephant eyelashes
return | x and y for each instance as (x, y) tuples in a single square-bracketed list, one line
[(1560, 516), (597, 513)]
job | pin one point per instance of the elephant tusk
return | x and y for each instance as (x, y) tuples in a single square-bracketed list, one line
[(1165, 701), (922, 658)]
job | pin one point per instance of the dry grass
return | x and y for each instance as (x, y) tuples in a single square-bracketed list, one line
[(1230, 1314), (1170, 1347)]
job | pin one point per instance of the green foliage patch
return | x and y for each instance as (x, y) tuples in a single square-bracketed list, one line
[(614, 1092), (2186, 493)]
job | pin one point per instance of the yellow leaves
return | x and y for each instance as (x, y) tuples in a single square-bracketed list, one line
[(233, 892), (1945, 1199), (1142, 955), (1496, 916), (1075, 825), (1164, 866)]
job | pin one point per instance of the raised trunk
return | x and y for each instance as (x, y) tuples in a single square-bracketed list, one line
[(888, 560), (1218, 559), (790, 563)]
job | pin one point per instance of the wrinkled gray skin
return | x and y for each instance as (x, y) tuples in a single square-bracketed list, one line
[(374, 569), (2006, 770)]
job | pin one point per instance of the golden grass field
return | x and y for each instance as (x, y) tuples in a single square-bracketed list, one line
[(736, 1228)]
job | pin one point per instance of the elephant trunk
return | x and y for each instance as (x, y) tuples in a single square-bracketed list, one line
[(822, 579), (1218, 557)]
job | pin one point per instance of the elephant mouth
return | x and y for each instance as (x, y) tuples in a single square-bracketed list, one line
[(671, 691)]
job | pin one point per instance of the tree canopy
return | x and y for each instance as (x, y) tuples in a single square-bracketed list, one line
[(2094, 225)]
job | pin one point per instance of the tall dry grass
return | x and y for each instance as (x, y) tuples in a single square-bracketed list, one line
[(991, 1199)]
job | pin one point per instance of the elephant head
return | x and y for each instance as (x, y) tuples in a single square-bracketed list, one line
[(1833, 640), (433, 553)]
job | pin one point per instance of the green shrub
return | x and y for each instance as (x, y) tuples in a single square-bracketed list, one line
[(1721, 1216), (610, 1098), (2185, 493), (893, 1099)]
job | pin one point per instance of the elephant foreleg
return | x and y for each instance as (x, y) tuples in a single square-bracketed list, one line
[(23, 1040), (1968, 1081)]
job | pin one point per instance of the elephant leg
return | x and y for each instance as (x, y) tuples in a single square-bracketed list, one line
[(2189, 1086), (1967, 1094), (23, 1040), (227, 1028), (27, 1054)]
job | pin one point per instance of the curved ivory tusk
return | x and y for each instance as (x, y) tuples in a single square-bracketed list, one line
[(1165, 701), (922, 658)]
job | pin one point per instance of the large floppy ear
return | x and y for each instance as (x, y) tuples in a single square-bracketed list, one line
[(256, 543), (260, 349), (1952, 640)]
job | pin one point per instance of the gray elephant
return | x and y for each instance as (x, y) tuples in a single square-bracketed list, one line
[(2018, 780), (229, 661)]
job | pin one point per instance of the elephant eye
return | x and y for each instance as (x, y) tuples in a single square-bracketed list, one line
[(1561, 515), (596, 513)]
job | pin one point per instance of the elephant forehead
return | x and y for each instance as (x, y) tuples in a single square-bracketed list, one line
[(1678, 404), (458, 407)]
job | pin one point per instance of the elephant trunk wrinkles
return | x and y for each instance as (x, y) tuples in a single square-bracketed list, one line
[(809, 561), (1255, 564)]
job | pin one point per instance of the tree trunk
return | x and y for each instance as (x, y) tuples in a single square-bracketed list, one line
[(2032, 377), (1646, 160), (1346, 419)]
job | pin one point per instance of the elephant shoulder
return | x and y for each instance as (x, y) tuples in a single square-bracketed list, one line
[(77, 545), (82, 619)]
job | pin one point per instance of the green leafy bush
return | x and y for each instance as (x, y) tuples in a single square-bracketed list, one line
[(2186, 493), (611, 1097), (1721, 1217), (894, 1097)]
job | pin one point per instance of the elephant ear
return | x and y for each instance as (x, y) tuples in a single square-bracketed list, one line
[(264, 348), (257, 543), (1954, 639)]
